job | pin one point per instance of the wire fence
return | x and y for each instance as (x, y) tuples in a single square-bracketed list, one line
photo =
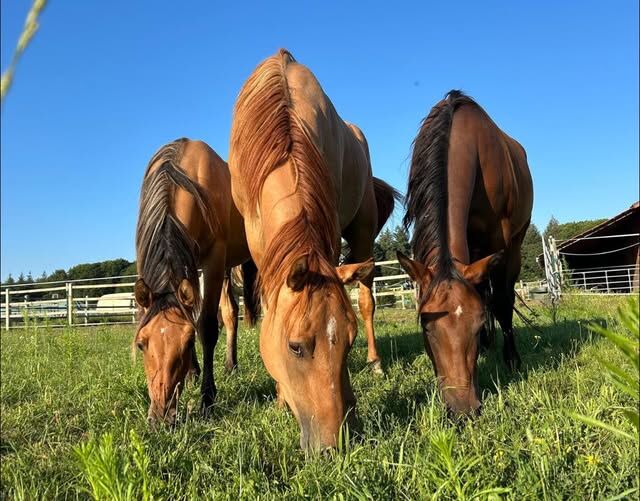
[(110, 300)]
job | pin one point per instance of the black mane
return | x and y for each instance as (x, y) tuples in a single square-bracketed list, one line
[(427, 192), (166, 253)]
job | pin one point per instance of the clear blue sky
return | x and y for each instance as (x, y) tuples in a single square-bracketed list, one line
[(104, 84)]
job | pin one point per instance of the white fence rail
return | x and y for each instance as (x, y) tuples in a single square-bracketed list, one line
[(110, 300)]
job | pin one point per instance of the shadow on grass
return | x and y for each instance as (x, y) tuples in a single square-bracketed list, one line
[(538, 351), (405, 346)]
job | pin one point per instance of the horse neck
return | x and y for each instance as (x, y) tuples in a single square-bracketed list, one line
[(460, 187), (279, 202), (457, 241)]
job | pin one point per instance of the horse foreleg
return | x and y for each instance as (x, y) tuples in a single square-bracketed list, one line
[(208, 331), (195, 371), (367, 307), (229, 308), (504, 314), (503, 300), (488, 330)]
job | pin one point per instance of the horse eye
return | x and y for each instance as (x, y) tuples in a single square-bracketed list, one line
[(140, 345), (296, 349)]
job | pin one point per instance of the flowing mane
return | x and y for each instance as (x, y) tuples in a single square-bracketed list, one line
[(166, 253), (427, 193), (267, 132)]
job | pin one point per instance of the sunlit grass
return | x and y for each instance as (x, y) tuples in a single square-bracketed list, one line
[(73, 416)]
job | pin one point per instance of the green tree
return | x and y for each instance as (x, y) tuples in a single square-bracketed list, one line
[(378, 252), (531, 249), (569, 230), (10, 280), (387, 244), (21, 279), (552, 228), (57, 276), (401, 241), (130, 269)]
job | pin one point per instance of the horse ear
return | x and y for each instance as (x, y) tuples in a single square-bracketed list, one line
[(186, 294), (356, 272), (142, 293), (478, 271), (298, 275), (417, 271)]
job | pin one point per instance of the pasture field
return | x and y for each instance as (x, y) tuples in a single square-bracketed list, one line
[(73, 423)]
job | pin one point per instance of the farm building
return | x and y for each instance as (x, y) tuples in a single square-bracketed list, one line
[(605, 258)]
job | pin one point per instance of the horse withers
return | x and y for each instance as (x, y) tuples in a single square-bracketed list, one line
[(469, 200), (301, 178), (187, 220)]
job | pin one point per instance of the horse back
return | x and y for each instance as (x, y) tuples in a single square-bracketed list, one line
[(343, 145), (503, 190), (204, 166)]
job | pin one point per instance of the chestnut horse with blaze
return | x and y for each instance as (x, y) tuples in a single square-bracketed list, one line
[(301, 178), (469, 199), (187, 220)]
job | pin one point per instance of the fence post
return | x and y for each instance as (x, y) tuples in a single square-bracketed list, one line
[(630, 282), (70, 303), (375, 299), (606, 279), (584, 279), (86, 309), (7, 309)]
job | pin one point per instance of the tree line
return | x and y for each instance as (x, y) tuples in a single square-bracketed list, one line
[(388, 242), (102, 269)]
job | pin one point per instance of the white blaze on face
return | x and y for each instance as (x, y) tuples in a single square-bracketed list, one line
[(162, 330), (331, 331), (331, 336), (458, 311)]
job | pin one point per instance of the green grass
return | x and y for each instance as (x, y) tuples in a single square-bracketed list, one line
[(73, 416)]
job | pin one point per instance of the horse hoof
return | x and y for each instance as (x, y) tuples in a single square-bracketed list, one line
[(376, 367), (206, 404), (206, 408), (192, 376), (229, 368), (513, 362)]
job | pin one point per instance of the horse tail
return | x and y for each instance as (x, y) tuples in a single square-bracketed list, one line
[(266, 133), (250, 293), (386, 197)]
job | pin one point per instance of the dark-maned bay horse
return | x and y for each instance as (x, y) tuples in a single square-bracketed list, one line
[(301, 178), (469, 200), (187, 220)]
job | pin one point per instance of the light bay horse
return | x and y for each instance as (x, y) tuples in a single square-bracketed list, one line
[(469, 200), (301, 178), (187, 220)]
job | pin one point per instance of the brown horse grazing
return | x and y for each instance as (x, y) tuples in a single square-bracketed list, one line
[(187, 220), (469, 198), (301, 178)]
